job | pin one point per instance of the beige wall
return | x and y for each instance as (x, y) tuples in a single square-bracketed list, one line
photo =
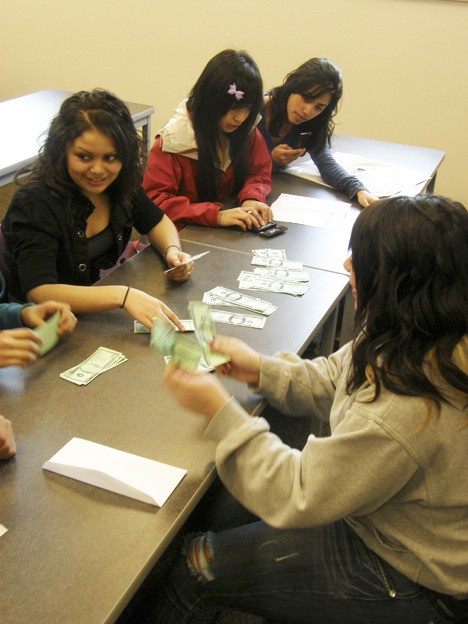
[(404, 61)]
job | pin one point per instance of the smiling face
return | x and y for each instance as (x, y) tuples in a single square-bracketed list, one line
[(301, 108), (92, 162), (233, 119)]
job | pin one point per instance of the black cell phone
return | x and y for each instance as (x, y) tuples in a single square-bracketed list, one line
[(274, 231), (263, 228), (303, 139)]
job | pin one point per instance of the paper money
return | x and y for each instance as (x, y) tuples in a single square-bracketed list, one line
[(184, 350), (139, 328), (202, 367), (49, 333), (277, 263), (251, 281), (205, 331), (210, 299), (100, 361), (270, 253), (243, 301), (285, 275), (235, 318)]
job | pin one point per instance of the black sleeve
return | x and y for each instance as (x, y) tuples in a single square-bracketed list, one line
[(146, 214)]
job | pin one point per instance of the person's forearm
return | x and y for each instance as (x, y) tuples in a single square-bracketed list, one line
[(81, 298), (164, 235)]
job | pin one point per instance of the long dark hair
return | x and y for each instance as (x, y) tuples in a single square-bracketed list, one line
[(410, 258), (83, 111), (209, 101), (317, 76)]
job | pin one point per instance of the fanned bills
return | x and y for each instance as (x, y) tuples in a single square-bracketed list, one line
[(191, 355)]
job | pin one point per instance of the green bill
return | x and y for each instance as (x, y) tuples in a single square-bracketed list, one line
[(187, 353), (49, 333), (182, 349), (205, 331), (162, 337)]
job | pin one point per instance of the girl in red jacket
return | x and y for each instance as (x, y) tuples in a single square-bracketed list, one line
[(211, 150)]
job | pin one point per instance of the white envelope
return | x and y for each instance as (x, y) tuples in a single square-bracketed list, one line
[(124, 473)]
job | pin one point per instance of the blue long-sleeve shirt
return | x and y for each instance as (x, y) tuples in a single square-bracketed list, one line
[(332, 173), (10, 313)]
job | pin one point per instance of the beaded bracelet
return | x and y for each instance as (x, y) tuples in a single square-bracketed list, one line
[(125, 297), (168, 247)]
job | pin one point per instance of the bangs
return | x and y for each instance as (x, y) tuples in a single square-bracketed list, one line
[(316, 91)]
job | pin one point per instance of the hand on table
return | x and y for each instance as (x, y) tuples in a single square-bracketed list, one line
[(365, 198), (7, 440), (143, 308), (251, 214), (36, 315), (284, 155)]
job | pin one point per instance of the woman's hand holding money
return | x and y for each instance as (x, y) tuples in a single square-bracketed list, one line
[(201, 393), (245, 362)]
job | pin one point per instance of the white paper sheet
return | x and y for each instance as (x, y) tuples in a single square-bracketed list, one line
[(309, 211), (124, 473), (3, 530), (380, 178)]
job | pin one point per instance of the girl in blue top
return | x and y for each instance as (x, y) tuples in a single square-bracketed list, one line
[(306, 103)]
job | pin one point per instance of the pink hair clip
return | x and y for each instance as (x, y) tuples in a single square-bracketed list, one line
[(233, 91)]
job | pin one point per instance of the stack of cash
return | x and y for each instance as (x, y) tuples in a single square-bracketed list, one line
[(275, 273), (253, 281), (225, 296), (99, 362)]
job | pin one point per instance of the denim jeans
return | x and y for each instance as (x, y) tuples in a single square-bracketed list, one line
[(321, 575)]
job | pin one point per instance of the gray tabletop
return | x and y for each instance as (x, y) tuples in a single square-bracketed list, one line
[(318, 247), (77, 553)]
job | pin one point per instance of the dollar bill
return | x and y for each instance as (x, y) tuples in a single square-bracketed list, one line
[(202, 367), (49, 333), (235, 318), (100, 361), (210, 299), (270, 253), (139, 328), (276, 263), (285, 275), (184, 350), (251, 281), (205, 331), (243, 301)]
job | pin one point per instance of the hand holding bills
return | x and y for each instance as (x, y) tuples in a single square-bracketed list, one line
[(185, 351)]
